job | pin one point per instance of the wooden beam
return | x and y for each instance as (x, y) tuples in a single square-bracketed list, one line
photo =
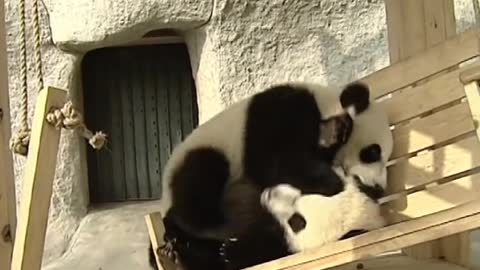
[(156, 230), (38, 183), (413, 27), (7, 181)]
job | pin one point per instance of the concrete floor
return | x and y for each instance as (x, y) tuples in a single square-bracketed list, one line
[(111, 237)]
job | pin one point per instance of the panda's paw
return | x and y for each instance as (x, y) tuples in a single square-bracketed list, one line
[(168, 251), (280, 200)]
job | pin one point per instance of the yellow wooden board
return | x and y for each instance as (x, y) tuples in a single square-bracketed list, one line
[(37, 183)]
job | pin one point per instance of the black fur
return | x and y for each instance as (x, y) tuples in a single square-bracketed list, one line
[(282, 133), (356, 94), (371, 153), (352, 233), (373, 192), (197, 187), (297, 222)]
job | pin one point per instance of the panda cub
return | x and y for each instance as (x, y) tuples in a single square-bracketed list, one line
[(312, 220), (288, 133), (294, 220)]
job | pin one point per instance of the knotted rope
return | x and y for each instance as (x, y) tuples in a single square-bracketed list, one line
[(69, 118), (19, 142)]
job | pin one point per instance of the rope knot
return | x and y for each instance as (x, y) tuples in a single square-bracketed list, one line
[(19, 142), (69, 118)]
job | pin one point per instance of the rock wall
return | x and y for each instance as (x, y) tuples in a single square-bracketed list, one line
[(236, 48)]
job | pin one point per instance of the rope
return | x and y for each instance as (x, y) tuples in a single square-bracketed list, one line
[(69, 118), (19, 142), (66, 117)]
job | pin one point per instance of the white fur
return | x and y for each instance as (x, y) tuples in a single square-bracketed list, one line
[(369, 127), (328, 218), (225, 131)]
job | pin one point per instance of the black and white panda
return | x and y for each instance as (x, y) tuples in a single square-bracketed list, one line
[(304, 220), (288, 133)]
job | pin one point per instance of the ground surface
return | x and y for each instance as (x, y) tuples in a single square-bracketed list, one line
[(111, 237)]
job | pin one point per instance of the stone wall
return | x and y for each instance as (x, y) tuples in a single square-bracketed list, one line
[(236, 48)]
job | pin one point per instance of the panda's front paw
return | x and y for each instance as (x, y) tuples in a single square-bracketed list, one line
[(280, 200)]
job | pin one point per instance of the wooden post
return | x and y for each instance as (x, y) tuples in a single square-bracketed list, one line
[(413, 26), (38, 183), (7, 181)]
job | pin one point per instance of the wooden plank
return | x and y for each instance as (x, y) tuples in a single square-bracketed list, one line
[(439, 25), (174, 105), (434, 233), (433, 129), (472, 91), (395, 26), (8, 220), (435, 199), (398, 262), (152, 130), (393, 237), (130, 169), (163, 112), (440, 57), (412, 101), (37, 183), (140, 135), (156, 230), (118, 186), (433, 165)]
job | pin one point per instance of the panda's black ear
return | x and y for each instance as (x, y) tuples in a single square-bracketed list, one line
[(356, 94)]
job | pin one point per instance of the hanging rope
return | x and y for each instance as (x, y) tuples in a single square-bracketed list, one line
[(19, 142), (67, 117)]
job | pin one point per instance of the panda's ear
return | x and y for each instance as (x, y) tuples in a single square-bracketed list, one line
[(356, 95)]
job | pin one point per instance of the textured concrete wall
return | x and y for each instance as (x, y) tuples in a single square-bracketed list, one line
[(245, 46)]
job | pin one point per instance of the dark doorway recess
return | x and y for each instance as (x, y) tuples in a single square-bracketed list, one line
[(144, 98)]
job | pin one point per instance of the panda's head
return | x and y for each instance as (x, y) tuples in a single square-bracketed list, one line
[(369, 147)]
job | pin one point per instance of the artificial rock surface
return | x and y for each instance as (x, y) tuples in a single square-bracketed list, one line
[(236, 48)]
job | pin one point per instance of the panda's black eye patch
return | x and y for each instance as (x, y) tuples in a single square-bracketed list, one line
[(297, 222), (371, 153)]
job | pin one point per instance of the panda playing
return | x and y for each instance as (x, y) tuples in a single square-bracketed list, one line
[(306, 220), (262, 140)]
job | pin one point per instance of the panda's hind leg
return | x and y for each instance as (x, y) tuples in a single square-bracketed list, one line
[(197, 188)]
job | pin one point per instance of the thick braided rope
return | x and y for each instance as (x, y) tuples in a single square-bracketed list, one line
[(69, 118), (38, 44), (19, 142)]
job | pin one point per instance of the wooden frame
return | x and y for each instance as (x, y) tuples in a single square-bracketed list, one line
[(38, 183), (7, 182)]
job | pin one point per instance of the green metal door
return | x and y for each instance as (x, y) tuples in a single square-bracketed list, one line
[(144, 98)]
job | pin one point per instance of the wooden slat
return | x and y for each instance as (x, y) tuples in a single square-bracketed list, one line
[(152, 130), (440, 57), (473, 97), (393, 237), (130, 168), (412, 101), (433, 129), (140, 131), (435, 199), (438, 23), (174, 106), (163, 112), (434, 165), (37, 184), (118, 174), (7, 181), (156, 230)]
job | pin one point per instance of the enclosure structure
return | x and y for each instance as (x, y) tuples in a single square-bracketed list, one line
[(415, 74)]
